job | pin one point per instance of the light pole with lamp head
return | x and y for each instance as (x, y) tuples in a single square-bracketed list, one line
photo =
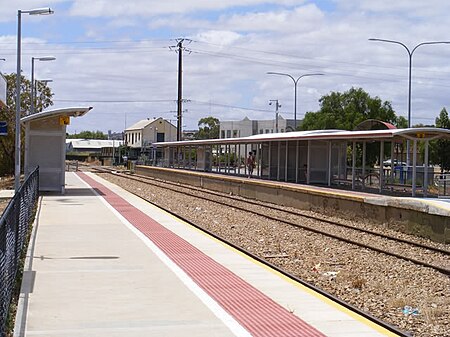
[(295, 89), (277, 105), (33, 87), (38, 11), (410, 55)]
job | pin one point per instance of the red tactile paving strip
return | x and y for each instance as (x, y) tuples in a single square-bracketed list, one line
[(256, 312)]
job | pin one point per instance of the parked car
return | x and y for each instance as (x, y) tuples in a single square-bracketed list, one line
[(396, 163)]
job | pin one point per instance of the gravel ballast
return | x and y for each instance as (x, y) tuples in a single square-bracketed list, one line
[(415, 299)]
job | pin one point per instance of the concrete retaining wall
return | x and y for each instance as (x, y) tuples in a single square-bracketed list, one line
[(409, 215)]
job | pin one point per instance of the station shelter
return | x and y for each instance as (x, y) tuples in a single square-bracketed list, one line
[(361, 159), (45, 145)]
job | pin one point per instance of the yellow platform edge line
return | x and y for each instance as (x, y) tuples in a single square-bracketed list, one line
[(297, 284)]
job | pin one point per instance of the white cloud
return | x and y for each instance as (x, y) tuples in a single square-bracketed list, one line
[(231, 53), (304, 18), (95, 8)]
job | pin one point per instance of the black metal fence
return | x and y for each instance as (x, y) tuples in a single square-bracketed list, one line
[(14, 227)]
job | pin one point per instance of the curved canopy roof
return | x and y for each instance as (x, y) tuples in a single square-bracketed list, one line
[(425, 133), (70, 112)]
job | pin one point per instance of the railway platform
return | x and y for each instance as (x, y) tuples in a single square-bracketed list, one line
[(103, 262)]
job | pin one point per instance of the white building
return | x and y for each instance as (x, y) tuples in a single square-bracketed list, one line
[(148, 131), (247, 127), (91, 145), (141, 136)]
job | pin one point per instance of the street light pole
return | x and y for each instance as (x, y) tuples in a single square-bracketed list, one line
[(33, 87), (295, 89), (39, 11), (410, 56), (277, 105)]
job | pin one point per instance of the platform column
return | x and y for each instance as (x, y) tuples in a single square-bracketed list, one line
[(425, 170), (270, 161), (329, 162), (392, 162), (286, 162), (258, 160), (353, 164), (364, 165), (278, 160), (414, 168), (381, 175), (308, 163)]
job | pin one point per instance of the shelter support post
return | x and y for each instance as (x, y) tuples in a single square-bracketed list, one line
[(392, 162), (259, 160), (381, 174), (414, 168), (278, 160), (236, 158), (353, 164), (308, 164), (296, 161), (425, 170), (245, 160), (363, 173), (329, 162), (270, 161), (286, 162)]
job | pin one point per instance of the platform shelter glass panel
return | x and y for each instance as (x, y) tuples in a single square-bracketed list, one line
[(273, 160), (318, 162), (282, 160), (265, 160), (338, 161), (292, 149), (302, 161)]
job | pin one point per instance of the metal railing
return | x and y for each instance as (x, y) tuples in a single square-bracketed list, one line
[(14, 227), (442, 181)]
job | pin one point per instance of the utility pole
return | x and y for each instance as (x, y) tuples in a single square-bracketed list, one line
[(180, 89), (277, 105)]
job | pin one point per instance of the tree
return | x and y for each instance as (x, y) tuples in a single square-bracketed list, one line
[(346, 110), (88, 135), (8, 113), (208, 128), (440, 149)]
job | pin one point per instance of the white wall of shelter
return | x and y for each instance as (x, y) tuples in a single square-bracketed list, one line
[(45, 145)]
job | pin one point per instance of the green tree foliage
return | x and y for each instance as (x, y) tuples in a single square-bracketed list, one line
[(208, 128), (88, 135), (346, 110), (8, 114), (440, 149)]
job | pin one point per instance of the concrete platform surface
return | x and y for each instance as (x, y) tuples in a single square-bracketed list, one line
[(103, 262)]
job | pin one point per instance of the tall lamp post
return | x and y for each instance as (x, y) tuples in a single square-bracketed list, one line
[(295, 88), (33, 87), (410, 55), (38, 11), (277, 105)]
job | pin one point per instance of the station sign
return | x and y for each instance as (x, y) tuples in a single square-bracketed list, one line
[(3, 128), (64, 120)]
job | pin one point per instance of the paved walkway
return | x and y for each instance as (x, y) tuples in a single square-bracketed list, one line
[(103, 262)]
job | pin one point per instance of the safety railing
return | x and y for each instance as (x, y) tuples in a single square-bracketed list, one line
[(442, 181), (15, 224)]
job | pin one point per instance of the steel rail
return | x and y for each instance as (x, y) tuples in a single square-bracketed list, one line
[(308, 228), (333, 298)]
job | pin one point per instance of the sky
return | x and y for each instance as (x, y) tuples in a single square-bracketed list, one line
[(118, 57)]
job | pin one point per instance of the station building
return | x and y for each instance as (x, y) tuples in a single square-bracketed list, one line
[(141, 136)]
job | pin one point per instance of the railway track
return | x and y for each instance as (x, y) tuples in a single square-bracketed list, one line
[(431, 256)]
